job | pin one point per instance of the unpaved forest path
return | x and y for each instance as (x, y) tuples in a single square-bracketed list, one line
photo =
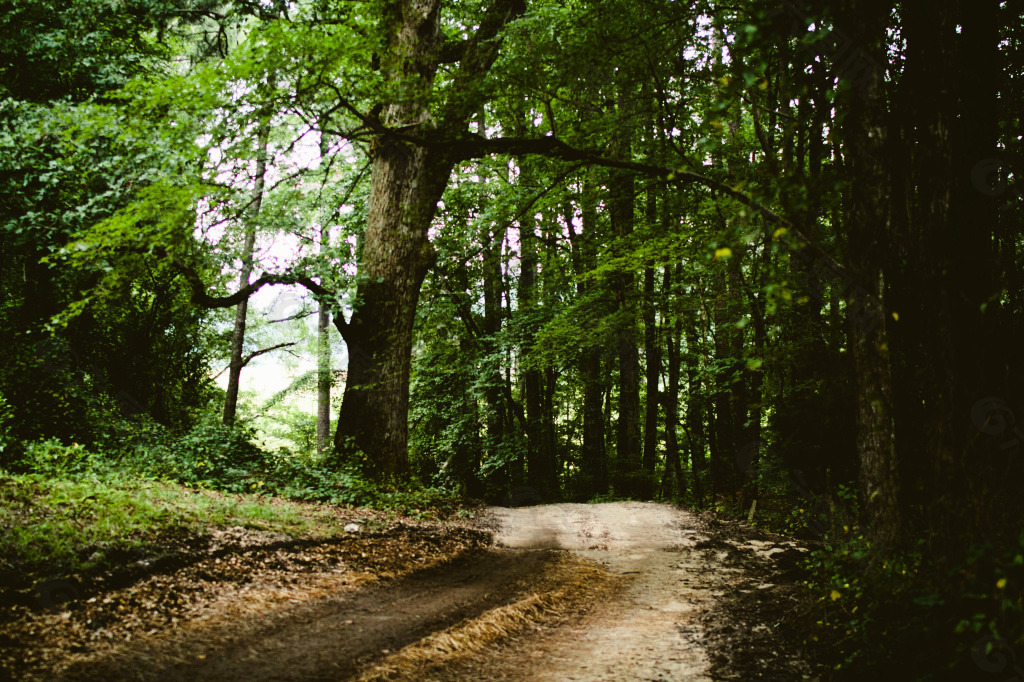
[(615, 591), (649, 633)]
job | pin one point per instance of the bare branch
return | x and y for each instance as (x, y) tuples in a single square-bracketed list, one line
[(296, 316), (262, 351)]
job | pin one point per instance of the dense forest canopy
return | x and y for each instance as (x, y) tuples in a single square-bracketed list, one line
[(696, 251)]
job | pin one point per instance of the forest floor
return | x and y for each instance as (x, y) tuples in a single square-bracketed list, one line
[(616, 591)]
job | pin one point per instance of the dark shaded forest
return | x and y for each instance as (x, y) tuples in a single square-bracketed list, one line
[(762, 259)]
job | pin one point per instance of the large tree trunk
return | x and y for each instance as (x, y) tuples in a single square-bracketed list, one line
[(242, 309), (987, 349), (406, 186), (406, 183)]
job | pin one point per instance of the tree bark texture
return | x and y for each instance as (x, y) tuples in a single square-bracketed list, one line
[(670, 400), (594, 456), (407, 181), (323, 378), (652, 358), (540, 468), (628, 462), (867, 217)]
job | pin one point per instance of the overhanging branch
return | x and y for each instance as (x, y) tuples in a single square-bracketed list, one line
[(255, 354), (202, 298)]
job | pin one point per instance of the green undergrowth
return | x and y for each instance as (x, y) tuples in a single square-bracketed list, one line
[(66, 509), (915, 613), (227, 459), (59, 526)]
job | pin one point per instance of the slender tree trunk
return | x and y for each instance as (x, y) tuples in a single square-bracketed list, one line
[(323, 345), (695, 414), (866, 220), (757, 380), (739, 394), (723, 433), (594, 457), (551, 449), (629, 469), (494, 394), (539, 465), (670, 399), (323, 357), (248, 247), (652, 355)]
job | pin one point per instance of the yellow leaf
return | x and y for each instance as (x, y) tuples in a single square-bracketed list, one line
[(835, 595), (1001, 583), (723, 252), (764, 84), (779, 232), (896, 316)]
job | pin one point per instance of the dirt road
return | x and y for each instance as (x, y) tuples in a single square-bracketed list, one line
[(650, 633), (617, 591)]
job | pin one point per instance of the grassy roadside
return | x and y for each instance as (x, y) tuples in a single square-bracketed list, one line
[(54, 528)]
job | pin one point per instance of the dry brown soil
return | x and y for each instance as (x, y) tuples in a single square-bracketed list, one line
[(617, 591)]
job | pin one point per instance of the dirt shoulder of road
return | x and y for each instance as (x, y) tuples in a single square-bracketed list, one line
[(760, 628), (216, 590)]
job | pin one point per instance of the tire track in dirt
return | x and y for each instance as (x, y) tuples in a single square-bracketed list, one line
[(331, 638)]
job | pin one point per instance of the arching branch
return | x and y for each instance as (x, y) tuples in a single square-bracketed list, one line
[(202, 298)]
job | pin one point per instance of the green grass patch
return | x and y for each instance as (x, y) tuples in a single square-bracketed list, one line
[(59, 526)]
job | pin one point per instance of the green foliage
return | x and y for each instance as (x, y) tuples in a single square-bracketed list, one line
[(445, 440), (210, 454), (216, 457), (129, 341), (52, 458), (50, 50)]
